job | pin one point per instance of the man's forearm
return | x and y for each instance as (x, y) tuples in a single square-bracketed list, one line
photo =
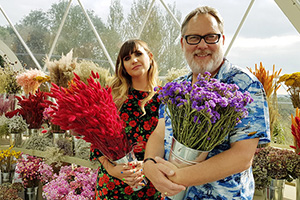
[(235, 160)]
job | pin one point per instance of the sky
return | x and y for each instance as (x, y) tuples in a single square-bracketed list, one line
[(266, 36)]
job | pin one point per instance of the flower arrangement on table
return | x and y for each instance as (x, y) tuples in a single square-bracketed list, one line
[(271, 85), (16, 124), (89, 110), (295, 127), (8, 78), (30, 80), (47, 119), (8, 159), (69, 184), (32, 108), (84, 69), (6, 103), (292, 81), (10, 191), (204, 113), (61, 71), (274, 163), (33, 170)]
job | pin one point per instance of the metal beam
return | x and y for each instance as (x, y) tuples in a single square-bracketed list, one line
[(97, 36), (146, 19), (21, 39), (59, 31), (170, 12), (239, 27)]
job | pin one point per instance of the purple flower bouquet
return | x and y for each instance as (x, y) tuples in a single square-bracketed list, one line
[(204, 113)]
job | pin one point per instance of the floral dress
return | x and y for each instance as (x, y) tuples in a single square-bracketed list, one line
[(138, 129)]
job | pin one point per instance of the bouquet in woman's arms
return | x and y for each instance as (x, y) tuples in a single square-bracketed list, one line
[(89, 110), (204, 113)]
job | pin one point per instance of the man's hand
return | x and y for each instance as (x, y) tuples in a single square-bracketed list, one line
[(158, 173)]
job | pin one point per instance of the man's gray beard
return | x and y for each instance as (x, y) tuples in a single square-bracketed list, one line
[(202, 67)]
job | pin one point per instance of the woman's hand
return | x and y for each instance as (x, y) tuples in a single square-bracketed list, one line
[(130, 173)]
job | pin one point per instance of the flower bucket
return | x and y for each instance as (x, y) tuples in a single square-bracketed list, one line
[(15, 139), (275, 190), (31, 193), (129, 158), (58, 136), (7, 177), (32, 131), (183, 156), (298, 188)]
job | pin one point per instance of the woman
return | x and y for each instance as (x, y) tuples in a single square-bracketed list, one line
[(133, 92)]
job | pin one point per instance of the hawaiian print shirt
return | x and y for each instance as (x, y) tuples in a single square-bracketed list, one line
[(138, 129), (256, 125)]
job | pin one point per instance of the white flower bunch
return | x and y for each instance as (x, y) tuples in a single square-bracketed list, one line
[(16, 124)]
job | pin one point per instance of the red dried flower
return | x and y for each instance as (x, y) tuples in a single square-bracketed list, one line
[(89, 110), (32, 108)]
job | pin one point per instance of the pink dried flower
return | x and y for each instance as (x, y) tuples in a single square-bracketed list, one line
[(28, 80)]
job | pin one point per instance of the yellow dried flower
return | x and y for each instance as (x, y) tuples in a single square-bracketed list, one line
[(292, 81)]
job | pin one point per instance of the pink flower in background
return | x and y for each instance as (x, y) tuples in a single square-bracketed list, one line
[(28, 80)]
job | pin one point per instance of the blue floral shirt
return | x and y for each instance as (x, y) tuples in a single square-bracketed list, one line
[(240, 185)]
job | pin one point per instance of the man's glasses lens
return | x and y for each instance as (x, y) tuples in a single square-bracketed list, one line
[(196, 39)]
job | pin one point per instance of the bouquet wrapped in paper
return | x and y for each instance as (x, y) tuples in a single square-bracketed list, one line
[(89, 110), (203, 114)]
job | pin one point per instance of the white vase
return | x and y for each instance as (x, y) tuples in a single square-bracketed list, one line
[(183, 156)]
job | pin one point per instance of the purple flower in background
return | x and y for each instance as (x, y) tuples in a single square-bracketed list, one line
[(208, 110)]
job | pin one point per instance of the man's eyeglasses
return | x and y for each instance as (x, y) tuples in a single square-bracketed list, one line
[(196, 39)]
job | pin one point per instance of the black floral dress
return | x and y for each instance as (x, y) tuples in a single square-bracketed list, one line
[(138, 129)]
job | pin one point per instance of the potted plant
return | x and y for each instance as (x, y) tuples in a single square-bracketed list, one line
[(8, 160), (32, 171), (16, 126), (77, 183), (272, 167)]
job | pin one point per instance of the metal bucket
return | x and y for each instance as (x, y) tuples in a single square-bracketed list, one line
[(183, 156), (275, 190), (31, 193)]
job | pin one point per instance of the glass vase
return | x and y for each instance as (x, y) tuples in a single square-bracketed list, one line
[(275, 190), (183, 156), (129, 158)]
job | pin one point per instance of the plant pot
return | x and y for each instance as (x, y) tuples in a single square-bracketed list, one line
[(275, 190), (183, 156), (129, 158), (15, 139), (31, 193)]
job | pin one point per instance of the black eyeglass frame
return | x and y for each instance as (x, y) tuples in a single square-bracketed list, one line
[(202, 37)]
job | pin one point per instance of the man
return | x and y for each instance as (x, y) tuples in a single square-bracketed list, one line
[(226, 173)]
